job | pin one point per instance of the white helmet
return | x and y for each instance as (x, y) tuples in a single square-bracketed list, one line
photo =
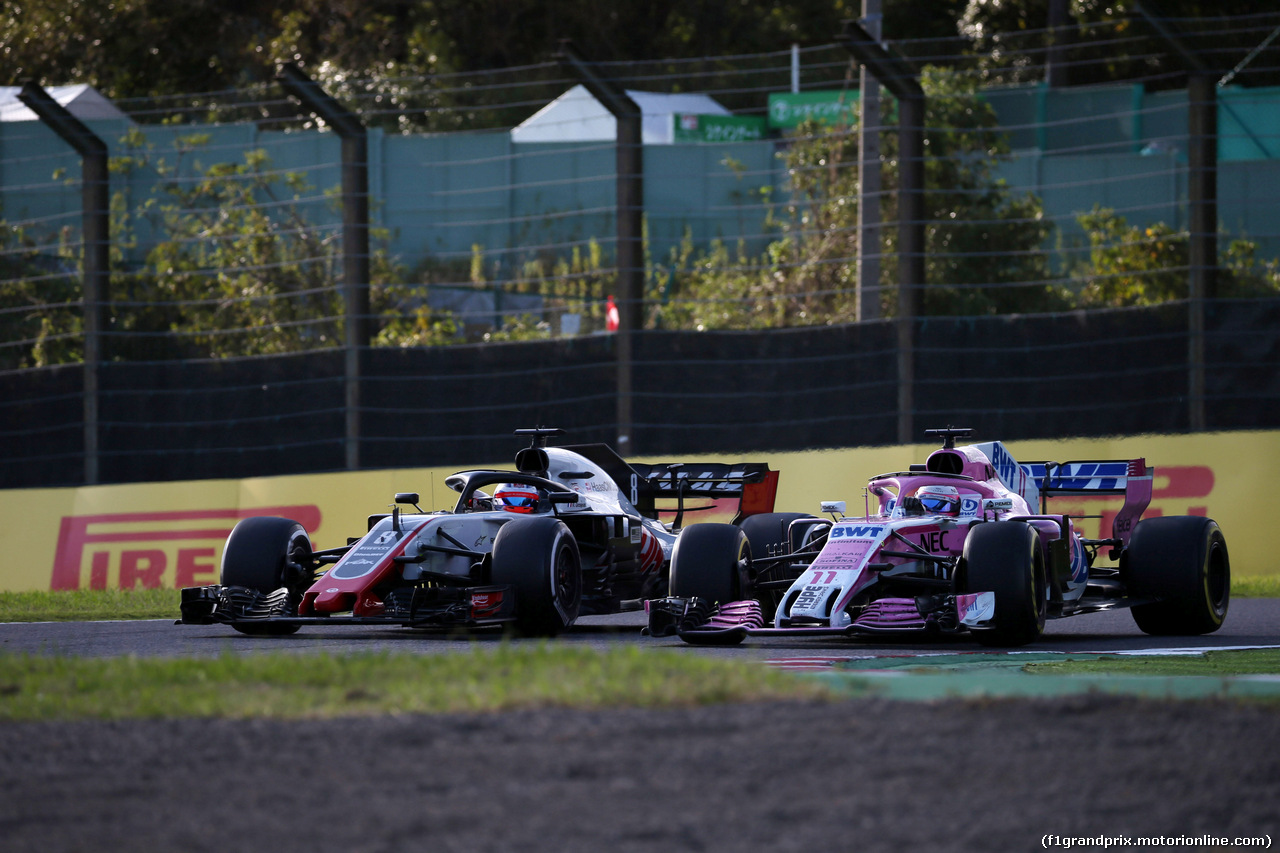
[(516, 497), (939, 500)]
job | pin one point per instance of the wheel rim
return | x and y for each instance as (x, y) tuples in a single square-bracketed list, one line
[(1217, 578), (567, 580), (743, 567), (1039, 586)]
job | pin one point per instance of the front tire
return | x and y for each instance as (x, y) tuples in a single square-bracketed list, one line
[(1006, 558), (264, 554), (767, 532), (1181, 560), (711, 562), (771, 533), (538, 558)]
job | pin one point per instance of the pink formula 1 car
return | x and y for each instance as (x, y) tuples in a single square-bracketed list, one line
[(965, 542)]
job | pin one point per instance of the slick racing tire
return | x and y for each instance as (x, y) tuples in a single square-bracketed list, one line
[(767, 533), (711, 562), (1006, 558), (1182, 561), (538, 558), (261, 554)]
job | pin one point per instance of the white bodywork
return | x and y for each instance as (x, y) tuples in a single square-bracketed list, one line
[(602, 495)]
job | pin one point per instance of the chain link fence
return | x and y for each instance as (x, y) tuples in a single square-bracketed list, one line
[(764, 310)]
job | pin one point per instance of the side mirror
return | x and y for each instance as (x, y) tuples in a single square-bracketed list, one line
[(407, 498), (834, 507)]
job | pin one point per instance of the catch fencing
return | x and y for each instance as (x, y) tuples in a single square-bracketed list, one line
[(767, 309)]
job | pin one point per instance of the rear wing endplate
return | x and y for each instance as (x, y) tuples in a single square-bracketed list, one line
[(1128, 477)]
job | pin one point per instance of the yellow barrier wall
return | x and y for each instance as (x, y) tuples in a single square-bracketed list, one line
[(171, 534)]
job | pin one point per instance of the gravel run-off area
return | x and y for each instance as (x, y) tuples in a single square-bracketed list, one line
[(858, 775)]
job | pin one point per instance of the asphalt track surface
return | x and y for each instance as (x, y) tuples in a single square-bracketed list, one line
[(859, 775), (1250, 622)]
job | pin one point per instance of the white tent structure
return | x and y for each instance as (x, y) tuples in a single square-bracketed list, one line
[(576, 116), (82, 101)]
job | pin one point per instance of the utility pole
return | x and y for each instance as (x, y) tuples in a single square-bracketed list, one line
[(95, 195), (897, 75), (355, 235), (867, 286), (629, 253), (1202, 199)]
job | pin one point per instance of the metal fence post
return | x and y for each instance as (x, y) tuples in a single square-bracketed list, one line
[(95, 182), (868, 262), (897, 75), (1202, 199), (355, 235), (1202, 189), (629, 253)]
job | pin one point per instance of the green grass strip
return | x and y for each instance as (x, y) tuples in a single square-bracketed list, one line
[(1214, 663), (1256, 587), (287, 685), (88, 605)]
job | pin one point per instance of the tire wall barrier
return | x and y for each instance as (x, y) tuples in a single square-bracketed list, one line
[(171, 534)]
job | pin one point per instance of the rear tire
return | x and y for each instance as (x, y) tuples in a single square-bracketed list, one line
[(264, 554), (711, 562), (1006, 558), (538, 558), (1183, 561)]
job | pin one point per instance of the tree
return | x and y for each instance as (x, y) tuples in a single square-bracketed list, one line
[(985, 246), (1132, 265), (41, 322), (1109, 42), (239, 266)]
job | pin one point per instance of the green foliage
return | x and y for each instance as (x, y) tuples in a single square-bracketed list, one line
[(376, 53), (1104, 42), (578, 284), (985, 245), (40, 316), (240, 267), (239, 258), (1132, 265)]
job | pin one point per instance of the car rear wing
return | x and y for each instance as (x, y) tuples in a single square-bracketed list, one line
[(752, 483), (1128, 477)]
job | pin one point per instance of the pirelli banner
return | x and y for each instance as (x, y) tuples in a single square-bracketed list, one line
[(171, 534)]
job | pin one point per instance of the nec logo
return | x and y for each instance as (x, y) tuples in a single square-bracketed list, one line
[(152, 550)]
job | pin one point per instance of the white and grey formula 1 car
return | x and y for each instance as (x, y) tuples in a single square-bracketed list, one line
[(963, 543), (572, 531)]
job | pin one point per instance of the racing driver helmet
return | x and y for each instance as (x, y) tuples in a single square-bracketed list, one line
[(939, 500), (516, 497)]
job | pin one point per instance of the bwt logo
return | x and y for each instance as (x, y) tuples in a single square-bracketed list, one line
[(1005, 467), (152, 550)]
